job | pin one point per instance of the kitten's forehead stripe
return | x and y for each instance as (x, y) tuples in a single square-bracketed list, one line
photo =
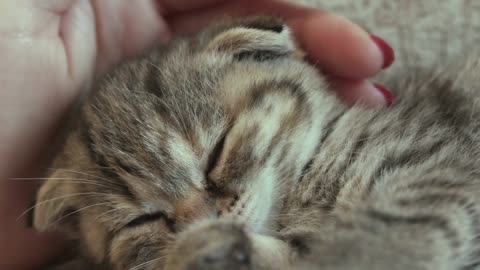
[(156, 158), (106, 169), (239, 159), (263, 89)]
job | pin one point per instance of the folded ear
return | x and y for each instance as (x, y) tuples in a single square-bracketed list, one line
[(54, 209), (259, 37)]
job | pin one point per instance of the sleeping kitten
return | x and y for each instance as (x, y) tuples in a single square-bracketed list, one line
[(226, 150)]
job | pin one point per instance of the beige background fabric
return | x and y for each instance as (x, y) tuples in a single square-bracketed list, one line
[(422, 32)]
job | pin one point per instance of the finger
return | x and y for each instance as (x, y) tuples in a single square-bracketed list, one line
[(189, 20), (363, 92), (337, 45), (127, 28), (57, 6), (175, 6), (340, 47)]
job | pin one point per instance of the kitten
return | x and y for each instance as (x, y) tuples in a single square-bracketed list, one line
[(227, 150)]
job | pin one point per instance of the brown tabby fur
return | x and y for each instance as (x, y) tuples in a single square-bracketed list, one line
[(226, 150)]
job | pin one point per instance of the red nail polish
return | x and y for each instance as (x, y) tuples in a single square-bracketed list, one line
[(387, 51), (386, 93)]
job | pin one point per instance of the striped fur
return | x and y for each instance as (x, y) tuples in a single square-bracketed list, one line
[(226, 150)]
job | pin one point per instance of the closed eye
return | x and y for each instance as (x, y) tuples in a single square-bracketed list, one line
[(212, 163), (215, 155), (149, 218), (145, 219)]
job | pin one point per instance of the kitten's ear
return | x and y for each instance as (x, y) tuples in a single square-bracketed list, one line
[(54, 209), (260, 37)]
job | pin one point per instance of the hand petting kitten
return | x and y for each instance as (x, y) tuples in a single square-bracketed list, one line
[(52, 50)]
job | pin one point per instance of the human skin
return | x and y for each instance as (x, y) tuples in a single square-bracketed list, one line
[(52, 50)]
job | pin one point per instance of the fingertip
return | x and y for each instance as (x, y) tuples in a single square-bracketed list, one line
[(339, 46), (363, 92), (387, 94), (387, 51)]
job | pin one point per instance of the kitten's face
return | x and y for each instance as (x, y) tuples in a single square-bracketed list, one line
[(214, 126)]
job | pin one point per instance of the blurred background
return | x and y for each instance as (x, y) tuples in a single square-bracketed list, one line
[(423, 32)]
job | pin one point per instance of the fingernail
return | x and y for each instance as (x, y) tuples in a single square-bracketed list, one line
[(389, 98), (387, 51)]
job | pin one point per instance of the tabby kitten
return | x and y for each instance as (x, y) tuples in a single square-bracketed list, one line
[(226, 150)]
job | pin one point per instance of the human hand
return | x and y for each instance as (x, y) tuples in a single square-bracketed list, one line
[(52, 49)]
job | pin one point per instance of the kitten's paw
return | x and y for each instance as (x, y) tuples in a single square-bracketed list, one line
[(213, 246)]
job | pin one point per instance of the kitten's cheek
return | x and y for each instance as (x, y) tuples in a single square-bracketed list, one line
[(363, 92)]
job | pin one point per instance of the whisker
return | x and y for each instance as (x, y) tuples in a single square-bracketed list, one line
[(59, 198), (146, 263), (73, 180), (109, 211), (85, 174), (76, 211)]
